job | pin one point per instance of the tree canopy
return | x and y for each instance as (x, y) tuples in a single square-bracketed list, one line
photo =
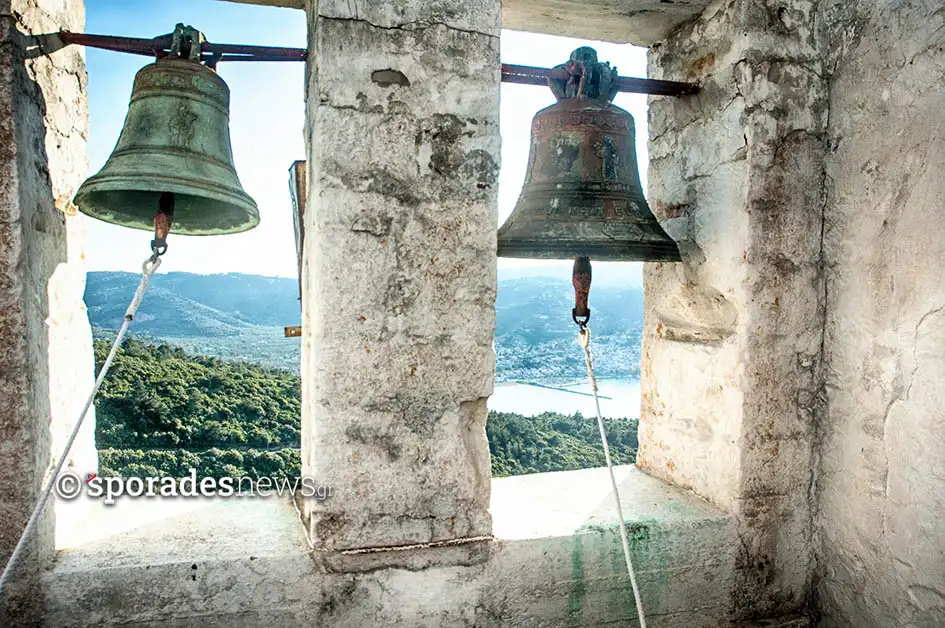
[(162, 411)]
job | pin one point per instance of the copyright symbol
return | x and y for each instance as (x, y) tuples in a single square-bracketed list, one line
[(68, 485)]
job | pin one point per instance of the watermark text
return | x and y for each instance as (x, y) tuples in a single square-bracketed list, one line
[(70, 485)]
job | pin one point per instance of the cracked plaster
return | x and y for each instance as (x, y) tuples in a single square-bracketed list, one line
[(731, 358), (803, 183)]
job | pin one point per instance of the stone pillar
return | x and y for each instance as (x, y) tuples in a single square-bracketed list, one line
[(733, 335), (400, 273), (46, 364)]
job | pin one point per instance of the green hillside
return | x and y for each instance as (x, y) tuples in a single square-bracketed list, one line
[(162, 411)]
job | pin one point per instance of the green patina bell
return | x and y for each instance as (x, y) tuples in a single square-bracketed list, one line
[(176, 139)]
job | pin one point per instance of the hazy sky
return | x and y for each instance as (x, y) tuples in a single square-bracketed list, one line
[(266, 121)]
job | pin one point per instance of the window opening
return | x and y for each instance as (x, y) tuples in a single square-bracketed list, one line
[(542, 414), (206, 379)]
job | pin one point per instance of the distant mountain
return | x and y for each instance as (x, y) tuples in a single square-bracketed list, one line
[(231, 316), (184, 304), (238, 316)]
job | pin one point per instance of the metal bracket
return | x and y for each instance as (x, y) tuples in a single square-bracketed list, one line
[(187, 42)]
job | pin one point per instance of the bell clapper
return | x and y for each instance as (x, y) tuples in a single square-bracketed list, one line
[(581, 279), (162, 224)]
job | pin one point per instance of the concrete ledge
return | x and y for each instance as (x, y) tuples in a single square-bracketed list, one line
[(638, 22), (198, 559), (782, 622), (556, 562), (560, 561)]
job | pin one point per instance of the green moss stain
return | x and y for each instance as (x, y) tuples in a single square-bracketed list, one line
[(616, 554), (593, 572), (638, 534), (606, 546), (578, 586)]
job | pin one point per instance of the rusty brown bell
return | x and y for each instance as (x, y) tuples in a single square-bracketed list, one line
[(582, 195)]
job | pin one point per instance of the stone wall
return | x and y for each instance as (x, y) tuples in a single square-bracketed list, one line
[(792, 363), (640, 22), (400, 270), (733, 335), (46, 365), (882, 487)]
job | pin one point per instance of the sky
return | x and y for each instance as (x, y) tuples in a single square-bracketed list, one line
[(266, 122)]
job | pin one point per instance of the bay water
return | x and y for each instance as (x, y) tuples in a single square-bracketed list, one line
[(623, 398)]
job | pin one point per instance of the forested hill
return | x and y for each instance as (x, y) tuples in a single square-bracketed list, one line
[(242, 317), (163, 411)]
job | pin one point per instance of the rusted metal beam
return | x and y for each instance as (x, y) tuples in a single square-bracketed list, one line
[(526, 75), (160, 46), (520, 74)]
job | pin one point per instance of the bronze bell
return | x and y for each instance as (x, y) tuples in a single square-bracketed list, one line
[(175, 140), (582, 195)]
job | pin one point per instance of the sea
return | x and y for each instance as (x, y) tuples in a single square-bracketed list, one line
[(619, 398)]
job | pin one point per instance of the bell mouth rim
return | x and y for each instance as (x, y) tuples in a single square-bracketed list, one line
[(242, 204), (177, 229), (162, 183), (602, 252)]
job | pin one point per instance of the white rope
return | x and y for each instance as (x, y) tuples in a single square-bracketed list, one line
[(584, 338), (148, 268)]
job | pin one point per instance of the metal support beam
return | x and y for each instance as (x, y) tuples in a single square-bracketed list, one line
[(526, 75), (160, 46), (213, 53)]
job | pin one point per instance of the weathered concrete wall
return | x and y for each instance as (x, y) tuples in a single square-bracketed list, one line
[(640, 22), (733, 334), (557, 562), (403, 134), (46, 366), (882, 485)]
